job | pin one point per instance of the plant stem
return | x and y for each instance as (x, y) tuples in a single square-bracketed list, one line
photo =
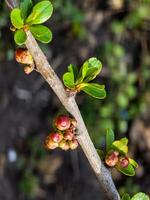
[(44, 68)]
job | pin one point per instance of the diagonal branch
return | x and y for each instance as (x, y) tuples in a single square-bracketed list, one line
[(45, 69)]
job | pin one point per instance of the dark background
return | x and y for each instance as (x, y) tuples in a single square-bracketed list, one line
[(118, 33)]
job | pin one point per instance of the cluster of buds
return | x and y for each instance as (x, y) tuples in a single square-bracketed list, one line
[(64, 136), (113, 159), (24, 57)]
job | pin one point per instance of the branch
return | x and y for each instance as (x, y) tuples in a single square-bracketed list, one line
[(45, 69)]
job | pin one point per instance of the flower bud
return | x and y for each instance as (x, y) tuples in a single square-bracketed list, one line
[(64, 145), (73, 144), (49, 144), (56, 137), (68, 135), (112, 159), (123, 162), (28, 70), (74, 123), (62, 122), (24, 57)]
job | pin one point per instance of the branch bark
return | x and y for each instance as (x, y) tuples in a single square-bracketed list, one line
[(45, 69)]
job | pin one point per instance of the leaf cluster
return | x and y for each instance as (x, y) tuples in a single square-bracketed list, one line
[(80, 80), (30, 17), (120, 146)]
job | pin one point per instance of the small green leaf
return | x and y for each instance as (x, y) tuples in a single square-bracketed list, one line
[(16, 19), (89, 70), (126, 197), (129, 171), (110, 137), (40, 13), (41, 33), (100, 153), (121, 145), (93, 89), (20, 37), (133, 163), (140, 196), (26, 7)]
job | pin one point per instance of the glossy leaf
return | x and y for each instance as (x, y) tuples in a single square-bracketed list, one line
[(40, 13), (133, 163), (69, 77), (110, 137), (16, 19), (129, 171), (20, 37), (41, 33), (26, 7), (140, 196), (121, 145), (94, 90), (126, 197), (90, 69)]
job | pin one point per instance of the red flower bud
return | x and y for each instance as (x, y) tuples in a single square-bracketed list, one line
[(123, 162), (73, 144), (56, 137), (112, 159), (24, 57), (62, 122), (64, 145), (49, 144), (68, 135)]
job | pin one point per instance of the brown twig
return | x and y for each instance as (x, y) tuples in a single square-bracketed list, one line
[(44, 68)]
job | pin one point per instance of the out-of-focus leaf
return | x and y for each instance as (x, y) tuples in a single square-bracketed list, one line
[(26, 7), (133, 163), (140, 196), (110, 137)]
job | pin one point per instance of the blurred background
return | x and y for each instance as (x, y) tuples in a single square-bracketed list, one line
[(118, 33)]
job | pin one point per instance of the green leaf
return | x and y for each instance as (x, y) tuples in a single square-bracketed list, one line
[(133, 163), (69, 77), (140, 196), (93, 89), (20, 37), (121, 145), (89, 70), (26, 7), (16, 19), (126, 197), (41, 33), (40, 13), (110, 137), (100, 153), (129, 171)]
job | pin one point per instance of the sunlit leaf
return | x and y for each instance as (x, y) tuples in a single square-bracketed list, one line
[(121, 145), (40, 13), (140, 196), (133, 162), (16, 19)]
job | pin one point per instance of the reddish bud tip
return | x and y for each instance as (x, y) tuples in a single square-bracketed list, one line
[(68, 135), (23, 56), (49, 144), (74, 123), (123, 162), (73, 144), (62, 122), (64, 145), (56, 137), (112, 159)]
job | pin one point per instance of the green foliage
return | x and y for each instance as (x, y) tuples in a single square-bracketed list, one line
[(41, 33), (120, 147), (40, 13), (27, 17), (138, 196), (110, 137), (16, 18), (78, 80)]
